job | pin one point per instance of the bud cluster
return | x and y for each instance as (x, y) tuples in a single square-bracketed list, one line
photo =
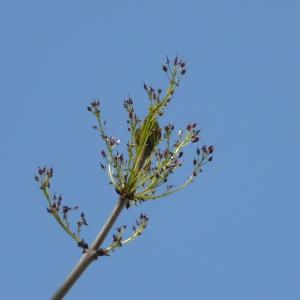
[(204, 155), (152, 155), (55, 208), (94, 107), (118, 240)]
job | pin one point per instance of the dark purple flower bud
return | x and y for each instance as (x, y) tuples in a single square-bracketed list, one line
[(112, 141), (210, 158), (165, 69), (198, 151), (194, 162), (145, 87), (102, 252), (130, 115), (95, 104), (175, 61), (103, 153), (189, 127), (183, 71), (159, 91), (50, 172), (37, 179), (66, 209), (82, 244), (210, 149), (180, 154), (89, 108), (195, 138)]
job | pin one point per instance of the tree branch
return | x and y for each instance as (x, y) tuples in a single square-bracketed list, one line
[(90, 254)]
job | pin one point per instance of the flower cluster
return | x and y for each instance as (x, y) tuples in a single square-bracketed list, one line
[(118, 240), (56, 209), (153, 155), (154, 152)]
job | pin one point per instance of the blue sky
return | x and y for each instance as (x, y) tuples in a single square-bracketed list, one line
[(234, 233)]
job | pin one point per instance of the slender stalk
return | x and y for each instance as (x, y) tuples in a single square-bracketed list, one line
[(90, 255)]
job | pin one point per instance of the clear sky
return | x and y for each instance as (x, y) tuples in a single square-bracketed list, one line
[(233, 234)]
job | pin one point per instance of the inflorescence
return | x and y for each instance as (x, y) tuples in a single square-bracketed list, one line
[(118, 239), (56, 209), (154, 152)]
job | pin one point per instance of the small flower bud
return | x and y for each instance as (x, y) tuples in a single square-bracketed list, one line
[(195, 139), (210, 149)]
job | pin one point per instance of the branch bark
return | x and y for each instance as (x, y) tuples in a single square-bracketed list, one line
[(90, 254)]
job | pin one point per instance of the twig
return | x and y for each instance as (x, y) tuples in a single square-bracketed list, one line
[(90, 254)]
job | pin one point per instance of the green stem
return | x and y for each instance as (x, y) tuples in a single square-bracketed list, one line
[(64, 226)]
